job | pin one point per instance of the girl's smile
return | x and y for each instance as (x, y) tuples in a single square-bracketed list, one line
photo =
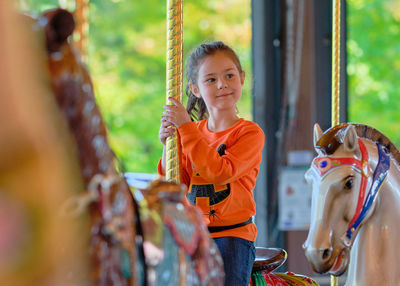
[(224, 95)]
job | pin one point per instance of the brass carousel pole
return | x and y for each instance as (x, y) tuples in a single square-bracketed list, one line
[(174, 82), (335, 77), (335, 62), (81, 15), (174, 90)]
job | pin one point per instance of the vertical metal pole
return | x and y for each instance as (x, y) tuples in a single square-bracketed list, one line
[(81, 15), (335, 62), (174, 81), (335, 77)]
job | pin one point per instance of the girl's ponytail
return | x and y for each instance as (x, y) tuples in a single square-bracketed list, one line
[(196, 107)]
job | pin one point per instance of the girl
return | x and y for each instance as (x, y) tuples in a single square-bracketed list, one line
[(221, 154)]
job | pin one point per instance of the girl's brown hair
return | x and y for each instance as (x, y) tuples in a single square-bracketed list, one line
[(196, 107)]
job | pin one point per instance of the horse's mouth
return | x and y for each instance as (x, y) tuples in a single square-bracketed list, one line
[(341, 262)]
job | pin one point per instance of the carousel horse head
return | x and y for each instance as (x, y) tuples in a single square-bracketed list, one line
[(355, 205), (73, 89)]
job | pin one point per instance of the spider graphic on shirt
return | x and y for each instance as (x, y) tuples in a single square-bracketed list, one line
[(213, 215)]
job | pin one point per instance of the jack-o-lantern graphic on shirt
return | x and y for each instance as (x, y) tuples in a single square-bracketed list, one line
[(204, 194)]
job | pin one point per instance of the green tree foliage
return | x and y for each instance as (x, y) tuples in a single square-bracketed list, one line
[(127, 61), (374, 65)]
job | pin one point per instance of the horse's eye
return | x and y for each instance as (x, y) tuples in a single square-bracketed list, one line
[(349, 184)]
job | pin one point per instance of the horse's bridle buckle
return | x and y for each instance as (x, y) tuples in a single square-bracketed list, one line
[(365, 169)]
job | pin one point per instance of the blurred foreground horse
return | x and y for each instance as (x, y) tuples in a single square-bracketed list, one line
[(37, 170), (355, 205)]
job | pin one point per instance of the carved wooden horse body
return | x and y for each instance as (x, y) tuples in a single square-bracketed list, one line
[(114, 214), (178, 248), (355, 206), (111, 205)]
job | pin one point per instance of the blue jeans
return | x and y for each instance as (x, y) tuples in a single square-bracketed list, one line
[(238, 255)]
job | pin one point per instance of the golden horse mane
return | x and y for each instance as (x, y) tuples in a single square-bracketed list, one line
[(333, 137)]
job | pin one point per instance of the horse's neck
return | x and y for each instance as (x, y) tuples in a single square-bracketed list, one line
[(375, 254), (75, 97)]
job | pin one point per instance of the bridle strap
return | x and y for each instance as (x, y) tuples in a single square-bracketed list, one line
[(363, 187), (380, 174), (325, 164)]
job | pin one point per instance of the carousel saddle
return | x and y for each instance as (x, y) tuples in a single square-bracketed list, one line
[(269, 258)]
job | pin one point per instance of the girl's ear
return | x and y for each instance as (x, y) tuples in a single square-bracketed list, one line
[(242, 76), (194, 89)]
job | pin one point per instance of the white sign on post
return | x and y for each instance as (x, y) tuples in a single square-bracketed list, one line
[(294, 200)]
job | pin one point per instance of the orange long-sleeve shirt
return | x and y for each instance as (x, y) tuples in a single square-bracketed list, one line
[(220, 170)]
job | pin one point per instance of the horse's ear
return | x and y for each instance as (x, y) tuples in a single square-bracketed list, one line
[(317, 134), (60, 25), (350, 141)]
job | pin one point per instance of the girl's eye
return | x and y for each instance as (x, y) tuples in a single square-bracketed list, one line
[(229, 75), (210, 80)]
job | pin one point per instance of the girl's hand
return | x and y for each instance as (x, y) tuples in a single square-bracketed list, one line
[(165, 132), (176, 114)]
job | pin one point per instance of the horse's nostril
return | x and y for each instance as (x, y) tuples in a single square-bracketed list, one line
[(326, 253)]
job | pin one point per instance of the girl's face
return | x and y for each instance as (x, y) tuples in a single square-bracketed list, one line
[(219, 83)]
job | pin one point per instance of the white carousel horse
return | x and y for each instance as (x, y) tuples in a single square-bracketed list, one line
[(355, 209)]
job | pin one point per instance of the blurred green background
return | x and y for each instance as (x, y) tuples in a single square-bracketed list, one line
[(373, 47), (127, 62), (127, 48)]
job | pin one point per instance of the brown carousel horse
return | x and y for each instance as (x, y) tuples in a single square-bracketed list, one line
[(106, 196), (170, 245)]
